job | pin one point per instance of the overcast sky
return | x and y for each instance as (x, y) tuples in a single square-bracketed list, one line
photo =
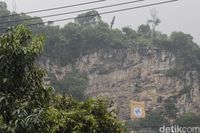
[(183, 15)]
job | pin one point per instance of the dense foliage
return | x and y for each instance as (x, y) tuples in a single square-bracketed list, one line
[(22, 94), (75, 40), (88, 34), (155, 120), (92, 116), (188, 119), (73, 84), (186, 51), (8, 18), (25, 104), (28, 106)]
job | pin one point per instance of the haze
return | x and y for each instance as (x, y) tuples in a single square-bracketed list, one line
[(177, 16)]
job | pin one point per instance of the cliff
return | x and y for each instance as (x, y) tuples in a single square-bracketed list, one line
[(136, 73)]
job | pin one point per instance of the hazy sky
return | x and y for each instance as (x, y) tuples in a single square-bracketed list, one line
[(183, 15)]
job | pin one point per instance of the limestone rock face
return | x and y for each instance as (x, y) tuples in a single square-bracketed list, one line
[(136, 73)]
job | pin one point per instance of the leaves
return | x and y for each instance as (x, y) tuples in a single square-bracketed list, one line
[(21, 88), (90, 116), (75, 84), (188, 119), (27, 106)]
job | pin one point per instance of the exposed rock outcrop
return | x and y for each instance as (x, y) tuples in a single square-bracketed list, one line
[(136, 73)]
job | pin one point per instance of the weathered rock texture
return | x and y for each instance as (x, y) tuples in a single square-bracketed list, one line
[(136, 73)]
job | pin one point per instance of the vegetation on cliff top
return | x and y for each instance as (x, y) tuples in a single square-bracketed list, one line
[(89, 34), (26, 101)]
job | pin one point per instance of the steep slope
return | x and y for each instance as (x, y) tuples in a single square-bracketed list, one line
[(136, 73)]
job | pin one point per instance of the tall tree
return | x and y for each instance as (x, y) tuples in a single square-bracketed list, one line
[(27, 106), (3, 5), (21, 82), (89, 18), (144, 30)]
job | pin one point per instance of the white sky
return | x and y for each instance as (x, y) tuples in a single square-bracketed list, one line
[(183, 15)]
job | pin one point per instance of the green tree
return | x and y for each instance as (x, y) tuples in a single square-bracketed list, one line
[(186, 51), (27, 106), (170, 110), (188, 119), (90, 18), (22, 92), (130, 33), (9, 19), (144, 30), (3, 5), (92, 116), (73, 84), (79, 39), (181, 40)]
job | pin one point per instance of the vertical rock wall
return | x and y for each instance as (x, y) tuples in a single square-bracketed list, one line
[(136, 73)]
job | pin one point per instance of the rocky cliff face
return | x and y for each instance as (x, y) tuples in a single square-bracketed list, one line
[(136, 73)]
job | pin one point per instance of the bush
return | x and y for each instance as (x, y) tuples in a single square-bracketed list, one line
[(188, 119)]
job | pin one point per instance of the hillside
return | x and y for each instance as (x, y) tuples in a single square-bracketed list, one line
[(136, 73), (128, 65), (87, 59)]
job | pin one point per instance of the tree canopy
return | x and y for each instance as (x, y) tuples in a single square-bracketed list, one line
[(28, 105), (22, 93)]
